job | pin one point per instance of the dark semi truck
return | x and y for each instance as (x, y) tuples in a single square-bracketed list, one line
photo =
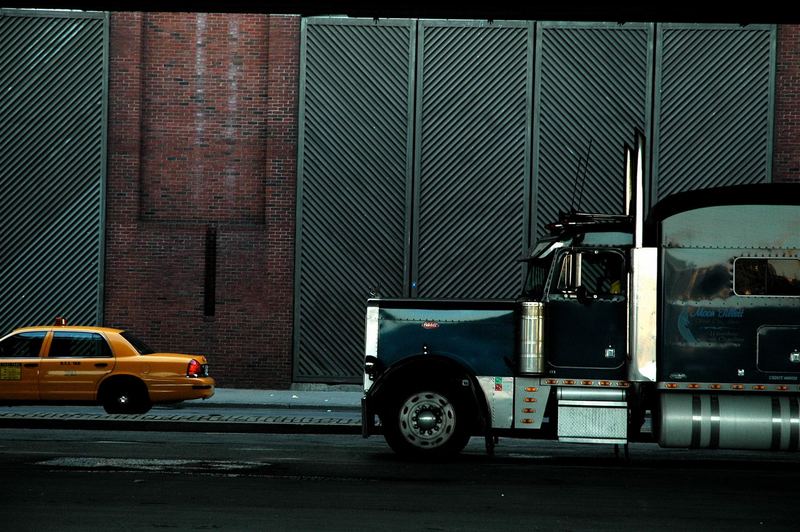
[(683, 329)]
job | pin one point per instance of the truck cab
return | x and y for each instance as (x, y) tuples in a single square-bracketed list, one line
[(545, 364), (580, 275)]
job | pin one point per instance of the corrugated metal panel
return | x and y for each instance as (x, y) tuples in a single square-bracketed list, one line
[(354, 181), (592, 86), (53, 78), (494, 156), (473, 157), (714, 106)]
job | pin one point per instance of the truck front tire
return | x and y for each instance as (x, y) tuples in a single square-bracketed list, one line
[(426, 423)]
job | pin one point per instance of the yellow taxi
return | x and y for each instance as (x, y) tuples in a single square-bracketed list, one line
[(61, 364)]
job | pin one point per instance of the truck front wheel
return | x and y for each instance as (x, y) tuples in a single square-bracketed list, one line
[(426, 423)]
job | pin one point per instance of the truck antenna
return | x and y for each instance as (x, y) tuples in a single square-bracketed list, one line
[(580, 179)]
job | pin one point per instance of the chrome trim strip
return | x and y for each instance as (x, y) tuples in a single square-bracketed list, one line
[(642, 314), (728, 387), (599, 404), (639, 213), (715, 422), (794, 423), (697, 420), (776, 423), (571, 439), (591, 394), (371, 339)]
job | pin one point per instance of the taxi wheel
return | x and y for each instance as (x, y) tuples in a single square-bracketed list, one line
[(126, 398)]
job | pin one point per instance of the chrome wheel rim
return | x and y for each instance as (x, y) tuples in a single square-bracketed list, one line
[(427, 420)]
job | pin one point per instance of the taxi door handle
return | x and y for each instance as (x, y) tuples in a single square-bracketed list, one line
[(31, 365), (100, 365)]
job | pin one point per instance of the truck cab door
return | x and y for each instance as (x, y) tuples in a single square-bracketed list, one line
[(586, 316)]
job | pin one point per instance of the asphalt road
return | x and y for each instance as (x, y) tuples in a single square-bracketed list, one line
[(101, 480)]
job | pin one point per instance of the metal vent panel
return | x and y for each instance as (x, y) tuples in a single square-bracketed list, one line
[(486, 156), (473, 157), (53, 77), (353, 191), (714, 109), (592, 86)]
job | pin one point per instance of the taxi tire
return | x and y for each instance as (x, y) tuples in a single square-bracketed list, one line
[(126, 398)]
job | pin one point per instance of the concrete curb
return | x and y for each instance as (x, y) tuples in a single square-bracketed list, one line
[(191, 423), (312, 411), (303, 399)]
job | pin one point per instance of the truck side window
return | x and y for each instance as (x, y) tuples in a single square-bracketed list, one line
[(600, 273), (538, 269), (567, 278), (603, 273), (766, 277)]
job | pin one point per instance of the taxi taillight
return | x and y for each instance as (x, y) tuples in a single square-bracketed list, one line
[(194, 369)]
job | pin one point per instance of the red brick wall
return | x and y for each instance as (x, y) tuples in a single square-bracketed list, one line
[(203, 133), (786, 156)]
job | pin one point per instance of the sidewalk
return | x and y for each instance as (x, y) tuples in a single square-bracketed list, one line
[(315, 398), (311, 409)]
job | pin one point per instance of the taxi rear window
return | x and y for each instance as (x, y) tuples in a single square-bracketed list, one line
[(141, 347)]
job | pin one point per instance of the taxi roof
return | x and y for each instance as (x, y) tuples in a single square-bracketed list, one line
[(69, 328)]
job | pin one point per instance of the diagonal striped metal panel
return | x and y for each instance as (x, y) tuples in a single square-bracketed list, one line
[(53, 81), (592, 87), (353, 185), (474, 90), (475, 202), (714, 106)]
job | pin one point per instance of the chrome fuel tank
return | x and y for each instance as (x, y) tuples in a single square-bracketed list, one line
[(718, 421)]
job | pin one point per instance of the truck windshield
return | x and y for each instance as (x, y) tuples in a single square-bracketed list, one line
[(537, 277)]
